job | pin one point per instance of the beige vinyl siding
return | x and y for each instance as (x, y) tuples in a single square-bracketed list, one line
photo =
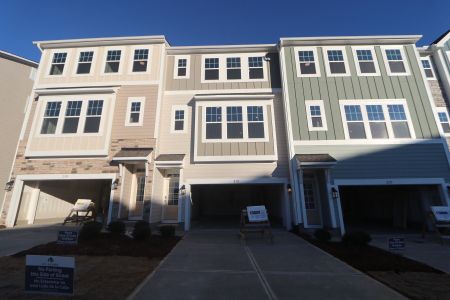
[(119, 130), (157, 197), (97, 77), (194, 80)]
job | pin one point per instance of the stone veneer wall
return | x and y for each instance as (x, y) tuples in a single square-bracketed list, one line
[(439, 96)]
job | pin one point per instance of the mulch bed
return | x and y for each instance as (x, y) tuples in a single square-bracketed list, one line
[(109, 245), (411, 278)]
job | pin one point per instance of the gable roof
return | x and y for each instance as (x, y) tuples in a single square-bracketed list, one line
[(18, 59), (444, 36)]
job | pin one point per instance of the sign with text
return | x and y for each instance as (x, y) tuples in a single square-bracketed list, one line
[(257, 213), (49, 274), (441, 213), (396, 243), (67, 237)]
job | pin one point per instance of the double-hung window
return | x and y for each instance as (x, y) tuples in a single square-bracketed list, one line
[(213, 123), (255, 67), (93, 116), (376, 120), (51, 116), (306, 62), (113, 61), (178, 120), (58, 63), (426, 64), (85, 62), (181, 67), (366, 61), (211, 68), (255, 119), (135, 111), (235, 129), (395, 61), (444, 119), (233, 68), (336, 61), (140, 60), (316, 115), (72, 118)]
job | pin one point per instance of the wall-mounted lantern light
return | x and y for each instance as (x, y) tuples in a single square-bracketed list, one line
[(9, 185), (289, 188), (334, 193), (183, 190), (115, 184)]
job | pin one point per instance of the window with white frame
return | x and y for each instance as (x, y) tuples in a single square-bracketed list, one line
[(255, 67), (213, 123), (93, 116), (178, 119), (426, 64), (211, 68), (376, 120), (233, 68), (140, 188), (51, 116), (135, 111), (58, 63), (235, 129), (316, 115), (140, 60), (113, 61), (255, 119), (444, 119), (72, 117), (336, 62), (85, 62), (395, 61), (181, 67), (307, 62), (308, 190), (366, 61)]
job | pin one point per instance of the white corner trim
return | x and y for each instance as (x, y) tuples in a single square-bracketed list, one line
[(160, 95)]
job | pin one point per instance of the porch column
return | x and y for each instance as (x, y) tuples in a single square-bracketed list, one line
[(330, 198), (187, 208)]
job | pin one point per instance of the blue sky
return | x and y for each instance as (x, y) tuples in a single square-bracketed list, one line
[(192, 22)]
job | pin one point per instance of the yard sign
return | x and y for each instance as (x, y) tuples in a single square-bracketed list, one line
[(49, 274), (257, 213), (67, 237), (396, 243)]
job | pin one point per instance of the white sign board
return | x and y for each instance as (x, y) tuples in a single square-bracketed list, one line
[(82, 204), (441, 213), (257, 213), (49, 274)]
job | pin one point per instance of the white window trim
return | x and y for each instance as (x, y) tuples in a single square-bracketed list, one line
[(77, 58), (327, 63), (66, 64), (131, 59), (244, 104), (444, 110), (308, 104), (188, 66), (386, 61), (172, 118), (62, 114), (141, 100), (375, 60), (384, 103), (297, 61), (121, 62), (244, 67), (431, 67)]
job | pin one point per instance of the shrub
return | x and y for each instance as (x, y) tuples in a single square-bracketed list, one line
[(90, 230), (356, 238), (167, 230), (141, 230), (117, 227), (322, 235)]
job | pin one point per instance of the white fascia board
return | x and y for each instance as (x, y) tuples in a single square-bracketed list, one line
[(351, 40), (272, 48), (234, 97), (72, 91)]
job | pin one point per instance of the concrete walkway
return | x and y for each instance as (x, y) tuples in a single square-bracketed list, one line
[(429, 251), (215, 264), (13, 240)]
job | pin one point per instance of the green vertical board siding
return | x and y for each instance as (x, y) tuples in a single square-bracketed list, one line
[(332, 89)]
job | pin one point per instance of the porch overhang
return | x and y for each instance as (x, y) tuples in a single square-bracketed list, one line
[(132, 155), (166, 161), (319, 161)]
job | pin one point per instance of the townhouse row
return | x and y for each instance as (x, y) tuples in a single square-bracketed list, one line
[(328, 132)]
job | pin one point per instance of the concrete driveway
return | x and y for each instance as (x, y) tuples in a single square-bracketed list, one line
[(13, 240), (215, 264)]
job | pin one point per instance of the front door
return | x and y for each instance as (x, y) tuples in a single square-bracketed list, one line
[(312, 200), (137, 196), (171, 195)]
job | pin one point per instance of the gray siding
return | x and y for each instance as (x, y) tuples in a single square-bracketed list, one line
[(332, 89), (194, 80), (422, 160), (237, 148)]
